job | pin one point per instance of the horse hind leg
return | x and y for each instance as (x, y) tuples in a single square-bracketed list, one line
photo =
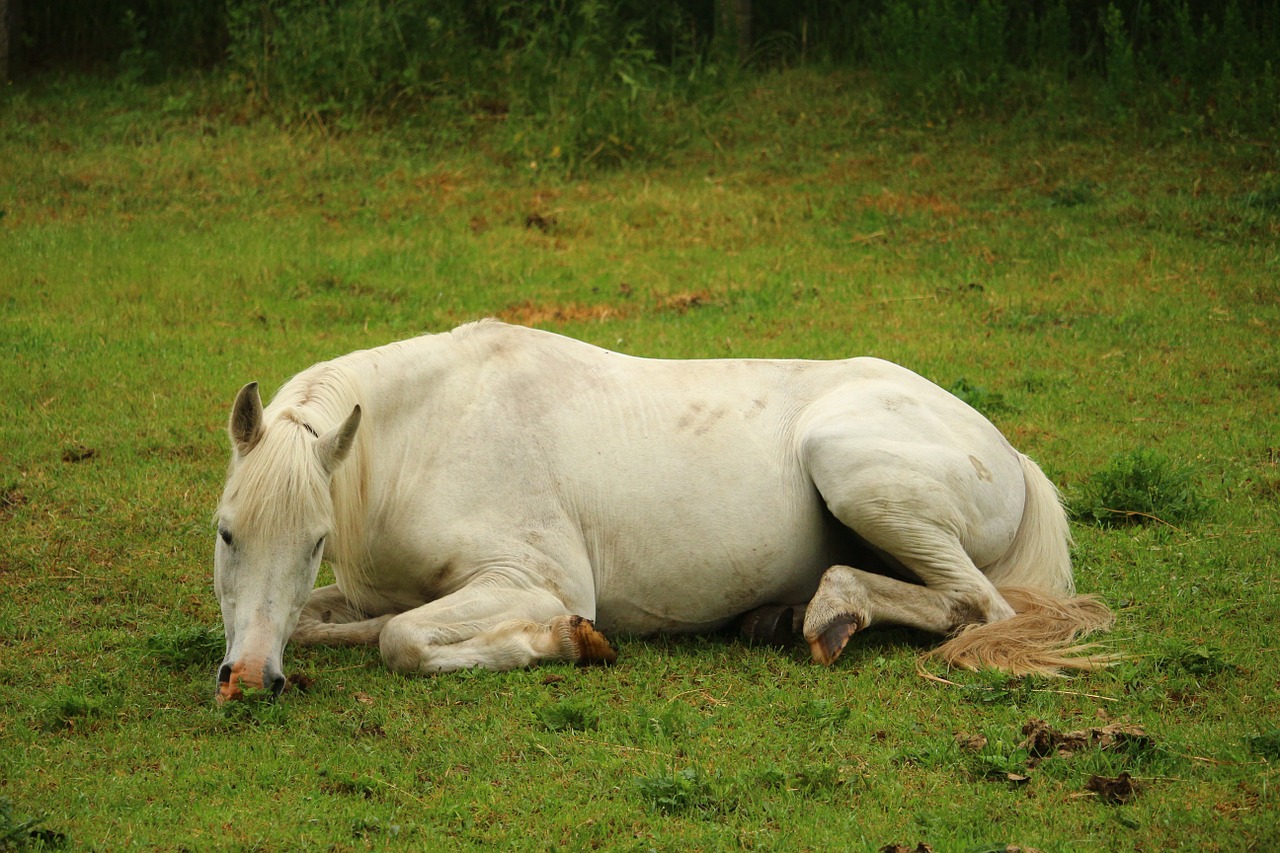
[(849, 600)]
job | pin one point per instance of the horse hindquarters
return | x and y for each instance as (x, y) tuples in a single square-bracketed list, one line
[(936, 507)]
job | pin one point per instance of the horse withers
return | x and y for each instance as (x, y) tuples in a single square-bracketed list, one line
[(496, 496)]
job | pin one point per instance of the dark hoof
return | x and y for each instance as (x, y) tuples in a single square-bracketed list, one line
[(592, 646), (769, 626), (828, 645)]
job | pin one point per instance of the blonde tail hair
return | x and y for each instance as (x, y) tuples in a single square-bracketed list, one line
[(1034, 578)]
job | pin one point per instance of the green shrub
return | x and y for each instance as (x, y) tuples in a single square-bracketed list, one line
[(1137, 487), (342, 59)]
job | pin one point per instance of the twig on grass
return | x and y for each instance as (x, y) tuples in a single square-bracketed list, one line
[(929, 676), (578, 736), (1128, 513), (891, 299), (402, 792), (706, 695)]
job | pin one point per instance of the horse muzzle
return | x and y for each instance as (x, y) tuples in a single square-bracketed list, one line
[(235, 678)]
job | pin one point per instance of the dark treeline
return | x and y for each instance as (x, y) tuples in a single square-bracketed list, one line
[(1212, 60)]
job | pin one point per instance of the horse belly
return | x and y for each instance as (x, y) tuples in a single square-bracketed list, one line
[(692, 584)]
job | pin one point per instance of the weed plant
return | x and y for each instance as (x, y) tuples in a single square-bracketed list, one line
[(679, 791), (1138, 487)]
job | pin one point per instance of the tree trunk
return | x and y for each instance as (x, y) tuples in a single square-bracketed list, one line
[(733, 28), (10, 38)]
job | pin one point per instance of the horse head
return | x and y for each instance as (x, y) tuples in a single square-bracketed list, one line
[(275, 513)]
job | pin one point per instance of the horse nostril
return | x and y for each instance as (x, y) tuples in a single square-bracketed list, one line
[(224, 674), (277, 685)]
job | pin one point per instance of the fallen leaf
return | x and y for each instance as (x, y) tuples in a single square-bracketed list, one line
[(364, 698), (79, 453), (298, 681)]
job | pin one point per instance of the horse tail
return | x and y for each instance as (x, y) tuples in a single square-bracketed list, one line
[(1034, 578)]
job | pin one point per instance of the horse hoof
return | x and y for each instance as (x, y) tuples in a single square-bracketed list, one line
[(592, 647), (769, 626), (830, 642)]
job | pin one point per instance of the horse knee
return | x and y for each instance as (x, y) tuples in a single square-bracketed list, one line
[(401, 647)]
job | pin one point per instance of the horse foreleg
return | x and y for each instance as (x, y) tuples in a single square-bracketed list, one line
[(491, 628), (328, 618), (509, 645)]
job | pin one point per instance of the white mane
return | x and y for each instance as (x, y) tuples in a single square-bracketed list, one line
[(280, 485)]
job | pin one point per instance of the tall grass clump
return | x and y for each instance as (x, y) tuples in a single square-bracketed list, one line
[(584, 88), (942, 51), (1210, 67), (568, 85), (340, 60), (1138, 487)]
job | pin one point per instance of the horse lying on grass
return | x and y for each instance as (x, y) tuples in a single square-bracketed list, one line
[(497, 496)]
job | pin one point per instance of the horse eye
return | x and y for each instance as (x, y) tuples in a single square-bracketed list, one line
[(225, 534), (319, 545)]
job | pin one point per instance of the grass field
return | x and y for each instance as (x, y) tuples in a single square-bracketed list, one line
[(1096, 289)]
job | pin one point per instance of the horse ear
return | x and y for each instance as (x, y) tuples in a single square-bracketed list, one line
[(335, 444), (246, 419)]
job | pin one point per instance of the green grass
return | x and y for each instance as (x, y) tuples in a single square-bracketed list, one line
[(157, 254)]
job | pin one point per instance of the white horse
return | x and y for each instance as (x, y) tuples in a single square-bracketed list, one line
[(494, 496)]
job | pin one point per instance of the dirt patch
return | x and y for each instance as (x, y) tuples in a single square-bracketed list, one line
[(682, 303), (299, 682), (903, 205), (926, 848), (78, 453), (546, 223), (11, 497), (1041, 742), (531, 314)]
